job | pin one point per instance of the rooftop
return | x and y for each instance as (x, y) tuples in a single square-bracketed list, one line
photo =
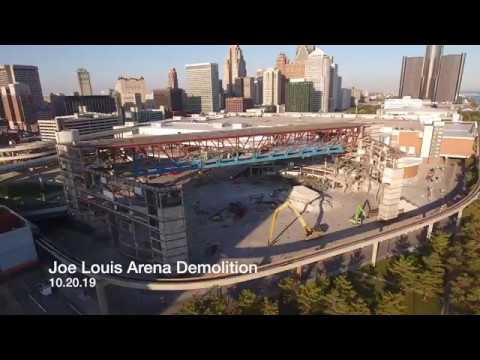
[(9, 220), (458, 129)]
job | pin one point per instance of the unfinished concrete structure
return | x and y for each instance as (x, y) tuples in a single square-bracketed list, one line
[(145, 221)]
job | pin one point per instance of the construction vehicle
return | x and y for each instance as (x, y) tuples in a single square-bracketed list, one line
[(309, 232), (361, 213)]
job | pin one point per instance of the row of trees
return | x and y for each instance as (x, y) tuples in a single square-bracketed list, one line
[(447, 268)]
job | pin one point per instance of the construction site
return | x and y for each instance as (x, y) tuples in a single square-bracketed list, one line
[(254, 193)]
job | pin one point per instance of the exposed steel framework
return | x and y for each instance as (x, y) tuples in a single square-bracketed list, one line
[(254, 140)]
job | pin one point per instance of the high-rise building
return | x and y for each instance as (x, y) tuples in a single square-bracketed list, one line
[(24, 74), (18, 107), (169, 98), (346, 99), (435, 77), (431, 66), (271, 87), (202, 88), (295, 70), (258, 88), (299, 94), (335, 88), (249, 87), (302, 52), (234, 68), (317, 70), (411, 77), (449, 78), (132, 90), (172, 79), (68, 105), (84, 82)]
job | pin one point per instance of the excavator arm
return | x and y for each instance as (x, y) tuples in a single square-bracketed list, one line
[(308, 230)]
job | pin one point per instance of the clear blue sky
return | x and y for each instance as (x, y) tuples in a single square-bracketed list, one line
[(374, 67)]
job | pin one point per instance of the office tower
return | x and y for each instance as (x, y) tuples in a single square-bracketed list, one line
[(24, 74), (132, 90), (302, 52), (172, 79), (258, 88), (170, 99), (335, 86), (411, 77), (68, 105), (202, 87), (237, 90), (299, 94), (346, 99), (249, 87), (317, 70), (449, 78), (435, 77), (430, 71), (271, 87), (289, 70), (234, 68), (18, 107), (84, 82)]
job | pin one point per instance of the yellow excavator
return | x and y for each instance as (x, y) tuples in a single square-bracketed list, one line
[(309, 232)]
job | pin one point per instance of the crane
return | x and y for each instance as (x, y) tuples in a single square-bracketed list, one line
[(309, 232)]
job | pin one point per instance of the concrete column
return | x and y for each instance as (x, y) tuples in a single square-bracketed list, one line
[(374, 253), (299, 271), (102, 296), (459, 218), (429, 231)]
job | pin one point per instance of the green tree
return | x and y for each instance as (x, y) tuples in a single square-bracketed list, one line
[(406, 272), (392, 304), (432, 279), (289, 287), (247, 303), (465, 294), (213, 303), (268, 307), (342, 299), (309, 298)]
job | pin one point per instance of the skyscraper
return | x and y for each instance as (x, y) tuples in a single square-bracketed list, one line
[(18, 107), (202, 87), (25, 74), (411, 77), (435, 77), (301, 55), (258, 88), (172, 79), (449, 78), (317, 70), (234, 68), (249, 87), (299, 96), (271, 87), (431, 66), (132, 90), (84, 82)]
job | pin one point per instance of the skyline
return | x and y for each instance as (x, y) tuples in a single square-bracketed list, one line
[(371, 67)]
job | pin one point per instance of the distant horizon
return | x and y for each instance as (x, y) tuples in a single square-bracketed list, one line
[(375, 68)]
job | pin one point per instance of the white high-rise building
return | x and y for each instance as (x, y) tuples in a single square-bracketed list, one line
[(203, 93), (317, 70), (132, 90), (271, 87)]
